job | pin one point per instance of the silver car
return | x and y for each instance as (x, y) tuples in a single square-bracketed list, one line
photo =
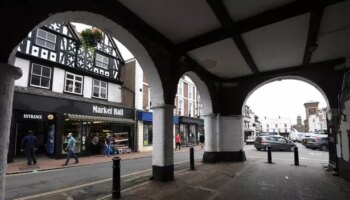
[(276, 142)]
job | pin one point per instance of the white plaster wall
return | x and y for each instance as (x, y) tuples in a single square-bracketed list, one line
[(87, 87), (231, 133), (114, 93), (163, 143), (25, 66), (58, 80), (211, 135), (343, 144), (138, 86)]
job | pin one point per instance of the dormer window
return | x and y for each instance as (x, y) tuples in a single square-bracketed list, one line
[(101, 61), (45, 39)]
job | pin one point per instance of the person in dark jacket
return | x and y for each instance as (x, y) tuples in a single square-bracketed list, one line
[(29, 146)]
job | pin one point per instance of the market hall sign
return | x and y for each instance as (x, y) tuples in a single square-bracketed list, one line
[(107, 110)]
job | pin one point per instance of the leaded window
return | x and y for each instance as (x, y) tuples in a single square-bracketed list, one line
[(45, 39), (101, 61), (99, 89), (73, 83), (40, 76)]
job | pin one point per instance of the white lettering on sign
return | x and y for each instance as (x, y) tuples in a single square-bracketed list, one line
[(31, 116), (107, 110)]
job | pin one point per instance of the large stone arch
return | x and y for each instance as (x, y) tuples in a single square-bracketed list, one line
[(287, 77), (122, 35), (204, 93)]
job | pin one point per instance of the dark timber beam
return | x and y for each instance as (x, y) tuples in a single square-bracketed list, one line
[(314, 27), (221, 13), (275, 15), (292, 69), (138, 24)]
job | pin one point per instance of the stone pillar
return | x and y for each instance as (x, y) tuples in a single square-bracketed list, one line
[(231, 140), (211, 141), (223, 139), (8, 75), (163, 143)]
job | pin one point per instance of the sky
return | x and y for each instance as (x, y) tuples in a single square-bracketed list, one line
[(284, 98)]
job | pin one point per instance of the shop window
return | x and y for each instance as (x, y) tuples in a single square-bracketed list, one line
[(147, 134), (40, 76), (74, 83), (99, 89), (45, 39), (101, 61)]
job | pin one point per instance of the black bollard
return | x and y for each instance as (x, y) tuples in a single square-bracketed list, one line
[(269, 156), (296, 156), (192, 158), (116, 178)]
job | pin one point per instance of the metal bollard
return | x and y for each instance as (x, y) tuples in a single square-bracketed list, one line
[(192, 158), (116, 178), (269, 156), (296, 156)]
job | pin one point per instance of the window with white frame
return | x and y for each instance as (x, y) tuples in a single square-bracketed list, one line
[(99, 89), (190, 92), (179, 88), (40, 76), (179, 106), (45, 39), (73, 83), (101, 61)]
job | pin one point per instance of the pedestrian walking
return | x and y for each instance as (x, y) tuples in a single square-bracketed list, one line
[(29, 145), (201, 140), (107, 145), (178, 142), (70, 149)]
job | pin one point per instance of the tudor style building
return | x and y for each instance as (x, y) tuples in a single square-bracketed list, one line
[(65, 88)]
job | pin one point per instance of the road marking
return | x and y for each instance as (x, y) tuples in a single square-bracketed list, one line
[(207, 189), (94, 183), (302, 158)]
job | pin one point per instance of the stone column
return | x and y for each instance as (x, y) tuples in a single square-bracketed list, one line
[(231, 140), (8, 75), (211, 138), (163, 143), (223, 139)]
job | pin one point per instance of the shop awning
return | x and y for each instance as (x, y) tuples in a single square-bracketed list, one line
[(98, 118)]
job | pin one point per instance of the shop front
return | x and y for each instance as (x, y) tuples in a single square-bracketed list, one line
[(190, 130), (145, 130), (52, 119)]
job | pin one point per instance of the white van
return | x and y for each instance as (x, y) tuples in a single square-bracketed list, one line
[(293, 136)]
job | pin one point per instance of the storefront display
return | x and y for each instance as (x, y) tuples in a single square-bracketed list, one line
[(52, 119)]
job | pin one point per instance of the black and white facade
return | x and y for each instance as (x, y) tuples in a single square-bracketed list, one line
[(65, 88)]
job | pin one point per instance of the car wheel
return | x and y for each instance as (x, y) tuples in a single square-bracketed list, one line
[(292, 148), (324, 148), (267, 148)]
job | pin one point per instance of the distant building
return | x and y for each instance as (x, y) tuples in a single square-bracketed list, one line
[(300, 127), (316, 121), (280, 125)]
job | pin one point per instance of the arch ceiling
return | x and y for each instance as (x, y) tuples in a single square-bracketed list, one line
[(236, 38)]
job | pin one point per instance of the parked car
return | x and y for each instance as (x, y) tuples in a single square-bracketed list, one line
[(275, 141), (250, 140), (317, 143)]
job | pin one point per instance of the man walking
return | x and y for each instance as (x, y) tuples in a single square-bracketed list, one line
[(29, 145), (70, 149)]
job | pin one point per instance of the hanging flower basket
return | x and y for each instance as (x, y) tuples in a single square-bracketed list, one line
[(90, 37)]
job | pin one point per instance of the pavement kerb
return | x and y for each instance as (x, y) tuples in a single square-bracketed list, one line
[(74, 165)]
